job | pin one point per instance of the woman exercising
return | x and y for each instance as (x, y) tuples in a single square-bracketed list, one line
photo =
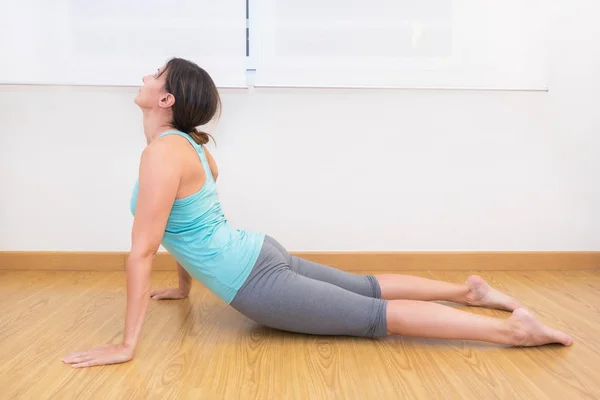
[(175, 202)]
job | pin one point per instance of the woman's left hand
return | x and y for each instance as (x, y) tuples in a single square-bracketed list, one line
[(101, 355)]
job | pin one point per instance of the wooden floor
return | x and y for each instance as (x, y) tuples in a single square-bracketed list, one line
[(201, 348)]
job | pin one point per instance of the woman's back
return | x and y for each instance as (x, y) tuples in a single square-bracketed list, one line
[(197, 233)]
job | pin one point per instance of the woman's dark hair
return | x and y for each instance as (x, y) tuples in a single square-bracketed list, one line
[(197, 99)]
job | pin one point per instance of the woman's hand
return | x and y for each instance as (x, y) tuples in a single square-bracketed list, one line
[(169, 294), (101, 355)]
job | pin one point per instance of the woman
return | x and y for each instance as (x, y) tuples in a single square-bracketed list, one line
[(175, 203)]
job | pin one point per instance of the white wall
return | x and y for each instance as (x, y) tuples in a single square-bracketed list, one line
[(331, 169)]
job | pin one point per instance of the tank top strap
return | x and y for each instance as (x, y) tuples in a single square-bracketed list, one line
[(199, 150)]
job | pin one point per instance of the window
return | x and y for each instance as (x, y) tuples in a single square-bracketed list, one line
[(487, 44)]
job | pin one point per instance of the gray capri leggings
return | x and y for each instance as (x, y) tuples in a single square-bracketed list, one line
[(288, 293)]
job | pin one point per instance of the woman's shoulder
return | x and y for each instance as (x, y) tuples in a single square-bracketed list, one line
[(163, 153), (168, 146)]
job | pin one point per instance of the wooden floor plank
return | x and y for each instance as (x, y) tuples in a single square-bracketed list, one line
[(202, 348)]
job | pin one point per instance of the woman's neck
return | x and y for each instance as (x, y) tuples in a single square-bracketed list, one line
[(154, 125)]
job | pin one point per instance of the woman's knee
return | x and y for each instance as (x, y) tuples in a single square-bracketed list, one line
[(375, 287)]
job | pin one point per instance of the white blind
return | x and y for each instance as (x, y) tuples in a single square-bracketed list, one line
[(114, 42), (401, 43)]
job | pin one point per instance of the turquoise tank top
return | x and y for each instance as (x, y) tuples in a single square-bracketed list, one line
[(199, 237)]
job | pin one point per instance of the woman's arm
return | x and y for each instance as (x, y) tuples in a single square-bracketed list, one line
[(159, 181), (159, 178)]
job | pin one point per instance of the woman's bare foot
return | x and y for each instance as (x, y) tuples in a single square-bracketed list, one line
[(528, 331), (483, 295)]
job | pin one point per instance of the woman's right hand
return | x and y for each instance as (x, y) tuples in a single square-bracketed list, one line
[(168, 294)]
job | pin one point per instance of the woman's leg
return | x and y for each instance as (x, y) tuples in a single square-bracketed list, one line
[(474, 292), (432, 320)]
